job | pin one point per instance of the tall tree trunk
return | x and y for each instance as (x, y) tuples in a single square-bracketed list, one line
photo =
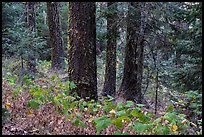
[(130, 87), (82, 48), (110, 71), (31, 24), (57, 52), (141, 49)]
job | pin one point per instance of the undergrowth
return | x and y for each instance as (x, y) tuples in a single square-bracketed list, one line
[(104, 113), (126, 118)]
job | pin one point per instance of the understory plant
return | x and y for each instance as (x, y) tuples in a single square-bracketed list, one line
[(103, 114)]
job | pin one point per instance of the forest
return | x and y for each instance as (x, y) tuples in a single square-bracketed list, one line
[(101, 68)]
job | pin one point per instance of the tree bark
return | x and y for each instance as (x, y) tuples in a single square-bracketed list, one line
[(30, 8), (130, 87), (141, 50), (82, 48), (110, 71), (57, 51)]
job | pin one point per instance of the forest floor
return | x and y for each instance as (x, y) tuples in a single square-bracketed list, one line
[(22, 120)]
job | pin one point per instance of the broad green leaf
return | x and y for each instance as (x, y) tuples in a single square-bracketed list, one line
[(82, 124), (139, 127), (95, 109), (170, 108), (96, 120), (110, 98), (70, 98), (65, 112), (84, 103), (58, 79), (129, 103), (78, 115), (33, 104), (102, 123), (32, 90), (66, 92), (119, 105), (118, 123), (121, 113), (42, 98), (53, 77), (124, 118), (125, 133), (46, 92), (143, 118), (158, 129), (72, 105), (75, 121), (135, 113), (140, 105), (60, 95), (170, 116), (56, 101), (81, 107), (119, 133), (36, 94), (99, 106), (72, 85), (166, 130), (157, 120), (182, 115)]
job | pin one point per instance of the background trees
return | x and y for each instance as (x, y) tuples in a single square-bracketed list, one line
[(30, 10), (173, 37), (110, 70), (57, 54)]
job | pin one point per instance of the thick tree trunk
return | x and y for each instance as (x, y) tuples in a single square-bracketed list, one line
[(130, 87), (31, 24), (110, 71), (57, 52), (82, 48)]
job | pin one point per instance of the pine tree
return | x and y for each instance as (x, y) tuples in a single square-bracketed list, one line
[(57, 53), (110, 71), (82, 48)]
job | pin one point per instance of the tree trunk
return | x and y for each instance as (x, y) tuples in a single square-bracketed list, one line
[(110, 71), (140, 50), (31, 24), (57, 52), (82, 48), (132, 74)]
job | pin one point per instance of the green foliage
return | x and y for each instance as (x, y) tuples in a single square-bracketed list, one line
[(129, 104), (33, 104), (184, 66), (139, 127), (22, 42), (102, 123), (11, 12), (170, 108), (188, 102), (118, 114), (11, 79), (119, 133)]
